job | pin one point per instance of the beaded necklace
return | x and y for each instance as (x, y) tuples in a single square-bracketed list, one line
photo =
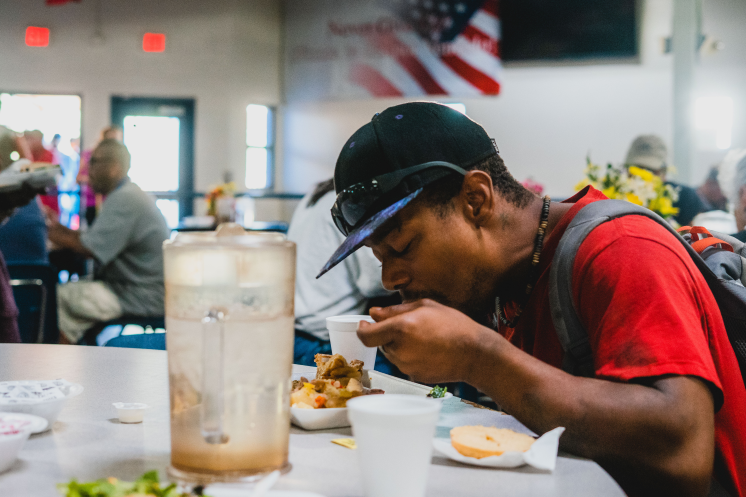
[(534, 274)]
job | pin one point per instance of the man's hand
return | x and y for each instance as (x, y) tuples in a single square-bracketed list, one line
[(426, 340), (62, 236), (655, 439)]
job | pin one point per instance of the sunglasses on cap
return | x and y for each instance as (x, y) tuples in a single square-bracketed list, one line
[(353, 203)]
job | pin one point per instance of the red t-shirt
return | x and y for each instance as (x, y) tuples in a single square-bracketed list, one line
[(648, 312)]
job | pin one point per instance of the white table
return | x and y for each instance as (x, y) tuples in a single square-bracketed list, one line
[(88, 443)]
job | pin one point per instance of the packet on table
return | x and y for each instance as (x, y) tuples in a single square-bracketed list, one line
[(32, 391)]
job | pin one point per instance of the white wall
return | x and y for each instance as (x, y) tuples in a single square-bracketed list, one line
[(223, 53), (226, 54), (548, 118)]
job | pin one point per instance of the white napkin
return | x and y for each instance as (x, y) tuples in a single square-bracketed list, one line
[(541, 455), (31, 391)]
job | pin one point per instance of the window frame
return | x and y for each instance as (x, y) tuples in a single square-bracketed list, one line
[(270, 149)]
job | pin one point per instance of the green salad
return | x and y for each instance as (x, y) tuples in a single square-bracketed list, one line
[(438, 392), (148, 485)]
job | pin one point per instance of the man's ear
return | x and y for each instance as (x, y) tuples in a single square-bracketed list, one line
[(477, 197)]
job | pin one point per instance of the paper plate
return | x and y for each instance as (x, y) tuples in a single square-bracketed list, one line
[(541, 455)]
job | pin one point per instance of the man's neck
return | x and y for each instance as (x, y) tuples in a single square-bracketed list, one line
[(115, 185), (518, 228)]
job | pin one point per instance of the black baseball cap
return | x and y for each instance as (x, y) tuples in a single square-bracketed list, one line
[(386, 163)]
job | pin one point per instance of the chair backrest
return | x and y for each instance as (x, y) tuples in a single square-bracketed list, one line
[(154, 341), (35, 292)]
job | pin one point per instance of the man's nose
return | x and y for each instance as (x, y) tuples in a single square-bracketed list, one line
[(395, 276)]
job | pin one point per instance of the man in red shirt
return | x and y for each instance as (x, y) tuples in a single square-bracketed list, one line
[(460, 239)]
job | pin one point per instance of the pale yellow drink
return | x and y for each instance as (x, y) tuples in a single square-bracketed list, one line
[(229, 321)]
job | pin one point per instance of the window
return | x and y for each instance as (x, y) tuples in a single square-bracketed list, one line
[(260, 144), (153, 142), (170, 210)]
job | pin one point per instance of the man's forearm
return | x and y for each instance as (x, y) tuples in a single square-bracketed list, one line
[(67, 238), (628, 428)]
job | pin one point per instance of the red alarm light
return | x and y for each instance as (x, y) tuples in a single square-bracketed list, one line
[(154, 42), (37, 37)]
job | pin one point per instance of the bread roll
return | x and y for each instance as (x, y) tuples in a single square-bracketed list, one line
[(486, 441)]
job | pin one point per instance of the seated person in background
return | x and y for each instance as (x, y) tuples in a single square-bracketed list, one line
[(23, 238), (87, 197), (8, 310), (732, 180), (125, 242), (470, 250), (711, 193), (348, 288), (9, 202), (23, 235), (650, 152)]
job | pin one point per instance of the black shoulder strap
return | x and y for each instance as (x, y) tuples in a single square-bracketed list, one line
[(570, 331)]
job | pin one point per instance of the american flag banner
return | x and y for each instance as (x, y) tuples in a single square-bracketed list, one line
[(343, 49)]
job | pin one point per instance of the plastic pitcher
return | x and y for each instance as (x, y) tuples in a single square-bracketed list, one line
[(229, 322)]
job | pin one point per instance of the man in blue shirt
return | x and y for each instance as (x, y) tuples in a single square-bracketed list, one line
[(125, 241)]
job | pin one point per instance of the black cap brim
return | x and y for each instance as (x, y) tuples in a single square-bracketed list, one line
[(357, 237)]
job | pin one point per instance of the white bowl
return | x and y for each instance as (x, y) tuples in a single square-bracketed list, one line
[(10, 446), (14, 431), (326, 419), (317, 419), (47, 409), (22, 422)]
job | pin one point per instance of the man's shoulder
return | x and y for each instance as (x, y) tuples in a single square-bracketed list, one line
[(309, 221), (128, 189), (635, 246), (129, 196), (632, 230)]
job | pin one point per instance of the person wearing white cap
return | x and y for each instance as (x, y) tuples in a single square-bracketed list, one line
[(347, 290), (732, 180), (650, 152)]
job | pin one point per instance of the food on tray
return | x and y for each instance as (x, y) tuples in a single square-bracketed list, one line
[(336, 382), (24, 172), (486, 441), (438, 392), (336, 367), (147, 485)]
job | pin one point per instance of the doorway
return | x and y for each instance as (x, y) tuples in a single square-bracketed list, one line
[(159, 133)]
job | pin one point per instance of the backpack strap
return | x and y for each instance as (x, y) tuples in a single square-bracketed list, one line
[(572, 335)]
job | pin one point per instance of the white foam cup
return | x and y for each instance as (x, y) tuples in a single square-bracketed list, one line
[(394, 437), (344, 340)]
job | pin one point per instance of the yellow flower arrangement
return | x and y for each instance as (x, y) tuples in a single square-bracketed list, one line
[(633, 184)]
